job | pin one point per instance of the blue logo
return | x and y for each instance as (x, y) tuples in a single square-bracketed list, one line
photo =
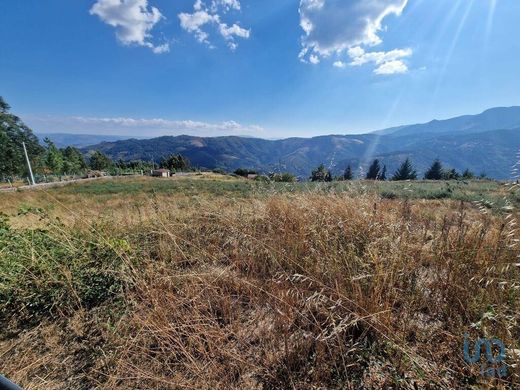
[(495, 366)]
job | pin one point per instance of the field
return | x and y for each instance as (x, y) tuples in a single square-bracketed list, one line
[(210, 281)]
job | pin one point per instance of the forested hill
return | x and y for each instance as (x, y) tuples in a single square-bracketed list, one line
[(490, 152)]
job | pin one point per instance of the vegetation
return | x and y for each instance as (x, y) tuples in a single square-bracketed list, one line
[(382, 176), (492, 151), (374, 171), (468, 175), (48, 160), (13, 132), (245, 172), (435, 172), (284, 177), (321, 174), (348, 175), (290, 285), (405, 172), (100, 162), (175, 163)]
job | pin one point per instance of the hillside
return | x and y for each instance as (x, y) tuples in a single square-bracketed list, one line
[(214, 282), (492, 119), (62, 140), (492, 152)]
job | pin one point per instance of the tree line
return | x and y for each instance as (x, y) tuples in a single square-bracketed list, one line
[(406, 171), (48, 159)]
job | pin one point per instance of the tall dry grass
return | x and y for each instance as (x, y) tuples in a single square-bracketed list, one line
[(290, 291)]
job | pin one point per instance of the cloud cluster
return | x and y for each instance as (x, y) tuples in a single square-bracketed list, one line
[(333, 27), (137, 127), (133, 21), (204, 16)]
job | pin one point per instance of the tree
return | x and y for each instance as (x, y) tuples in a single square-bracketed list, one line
[(73, 161), (347, 175), (435, 172), (284, 177), (382, 176), (450, 174), (175, 162), (99, 161), (374, 170), (53, 158), (321, 174), (13, 132), (405, 171), (244, 172), (4, 107), (468, 175)]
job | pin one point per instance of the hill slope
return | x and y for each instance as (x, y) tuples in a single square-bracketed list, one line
[(62, 140), (492, 152), (485, 143), (492, 119)]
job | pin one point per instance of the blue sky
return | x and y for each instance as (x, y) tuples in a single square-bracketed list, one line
[(270, 69)]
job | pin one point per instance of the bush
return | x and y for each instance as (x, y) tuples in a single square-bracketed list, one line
[(45, 274), (389, 195), (283, 177)]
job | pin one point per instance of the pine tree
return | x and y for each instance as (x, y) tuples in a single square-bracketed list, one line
[(73, 160), (53, 157), (451, 174), (382, 176), (374, 170), (435, 171), (405, 171), (13, 132), (99, 161), (321, 174), (347, 175), (468, 175)]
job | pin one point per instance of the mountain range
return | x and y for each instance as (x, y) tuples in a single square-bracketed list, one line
[(62, 140), (484, 143)]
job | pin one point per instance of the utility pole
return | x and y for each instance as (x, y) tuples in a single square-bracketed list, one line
[(28, 163)]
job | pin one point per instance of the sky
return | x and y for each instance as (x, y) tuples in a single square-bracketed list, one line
[(263, 68)]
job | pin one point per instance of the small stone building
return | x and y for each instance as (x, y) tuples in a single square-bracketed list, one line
[(161, 173)]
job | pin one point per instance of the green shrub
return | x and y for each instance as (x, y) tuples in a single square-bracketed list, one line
[(46, 273), (388, 195)]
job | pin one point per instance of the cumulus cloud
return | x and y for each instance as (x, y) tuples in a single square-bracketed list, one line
[(204, 16), (139, 127), (392, 67), (133, 21), (333, 27), (390, 62)]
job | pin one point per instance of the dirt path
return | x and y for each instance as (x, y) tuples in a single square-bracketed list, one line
[(60, 183)]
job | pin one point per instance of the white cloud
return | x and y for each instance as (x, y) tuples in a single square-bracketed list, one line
[(333, 27), (138, 126), (193, 23), (390, 62), (133, 21), (313, 59), (225, 4), (339, 64), (392, 67), (204, 16)]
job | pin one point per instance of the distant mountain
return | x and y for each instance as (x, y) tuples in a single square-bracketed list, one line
[(471, 142), (502, 118), (63, 140)]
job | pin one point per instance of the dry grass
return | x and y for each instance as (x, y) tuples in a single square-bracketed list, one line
[(284, 291)]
